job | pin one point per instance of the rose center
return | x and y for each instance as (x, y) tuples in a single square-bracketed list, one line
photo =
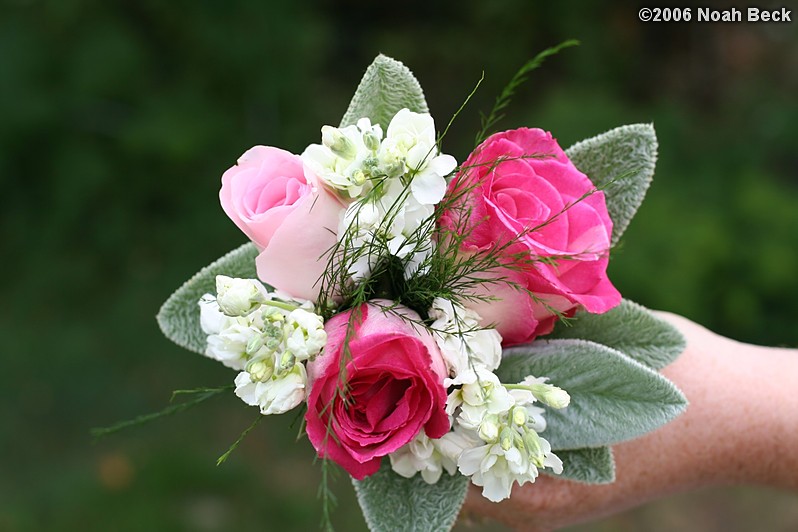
[(377, 401), (276, 192), (523, 206)]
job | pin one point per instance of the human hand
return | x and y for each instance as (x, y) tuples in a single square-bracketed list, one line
[(741, 427)]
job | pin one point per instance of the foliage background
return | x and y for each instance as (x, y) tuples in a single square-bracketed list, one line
[(118, 118)]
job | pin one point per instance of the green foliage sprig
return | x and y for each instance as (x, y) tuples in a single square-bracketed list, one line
[(202, 395), (504, 98)]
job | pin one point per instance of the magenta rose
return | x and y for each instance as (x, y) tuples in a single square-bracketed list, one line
[(519, 187), (394, 382), (283, 208)]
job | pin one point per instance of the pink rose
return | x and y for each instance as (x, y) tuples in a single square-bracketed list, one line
[(394, 381), (520, 186), (283, 208)]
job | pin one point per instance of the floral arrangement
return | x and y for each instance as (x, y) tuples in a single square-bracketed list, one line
[(438, 323)]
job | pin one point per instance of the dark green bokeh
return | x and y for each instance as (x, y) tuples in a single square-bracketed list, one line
[(117, 120)]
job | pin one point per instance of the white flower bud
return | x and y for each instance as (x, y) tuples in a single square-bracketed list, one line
[(287, 362), (338, 143), (371, 140), (534, 447), (547, 393), (254, 344), (555, 397), (519, 416), (489, 428), (238, 297), (272, 344), (261, 369), (359, 178), (507, 438)]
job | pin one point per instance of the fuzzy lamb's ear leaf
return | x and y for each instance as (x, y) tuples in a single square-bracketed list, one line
[(392, 502), (387, 87), (631, 329), (591, 466), (179, 317), (613, 398), (624, 157)]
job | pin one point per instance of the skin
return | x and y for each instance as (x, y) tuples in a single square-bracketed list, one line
[(741, 427)]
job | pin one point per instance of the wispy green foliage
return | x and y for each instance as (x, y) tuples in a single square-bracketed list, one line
[(202, 395), (223, 458), (326, 495), (503, 100)]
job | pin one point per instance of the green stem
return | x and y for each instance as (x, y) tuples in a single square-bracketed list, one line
[(98, 433), (236, 443), (281, 305)]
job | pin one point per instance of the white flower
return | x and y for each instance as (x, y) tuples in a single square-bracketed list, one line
[(496, 466), (227, 337), (239, 297), (410, 142), (212, 320), (431, 457), (280, 327), (497, 427), (488, 467), (277, 394), (421, 455), (429, 184), (396, 183), (229, 346), (346, 159), (304, 334), (452, 444), (410, 136), (463, 343), (481, 394)]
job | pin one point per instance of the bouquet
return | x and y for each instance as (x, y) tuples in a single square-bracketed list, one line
[(436, 323)]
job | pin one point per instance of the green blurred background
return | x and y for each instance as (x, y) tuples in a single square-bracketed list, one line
[(117, 120)]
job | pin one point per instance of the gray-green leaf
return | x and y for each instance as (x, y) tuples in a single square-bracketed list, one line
[(613, 398), (387, 87), (627, 155), (592, 466), (631, 329), (393, 503), (179, 317)]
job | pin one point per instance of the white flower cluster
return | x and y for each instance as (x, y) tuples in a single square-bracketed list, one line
[(495, 438), (504, 423), (266, 336), (394, 183), (464, 343)]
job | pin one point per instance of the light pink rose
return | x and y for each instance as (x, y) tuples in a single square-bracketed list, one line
[(394, 382), (283, 208), (519, 186)]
